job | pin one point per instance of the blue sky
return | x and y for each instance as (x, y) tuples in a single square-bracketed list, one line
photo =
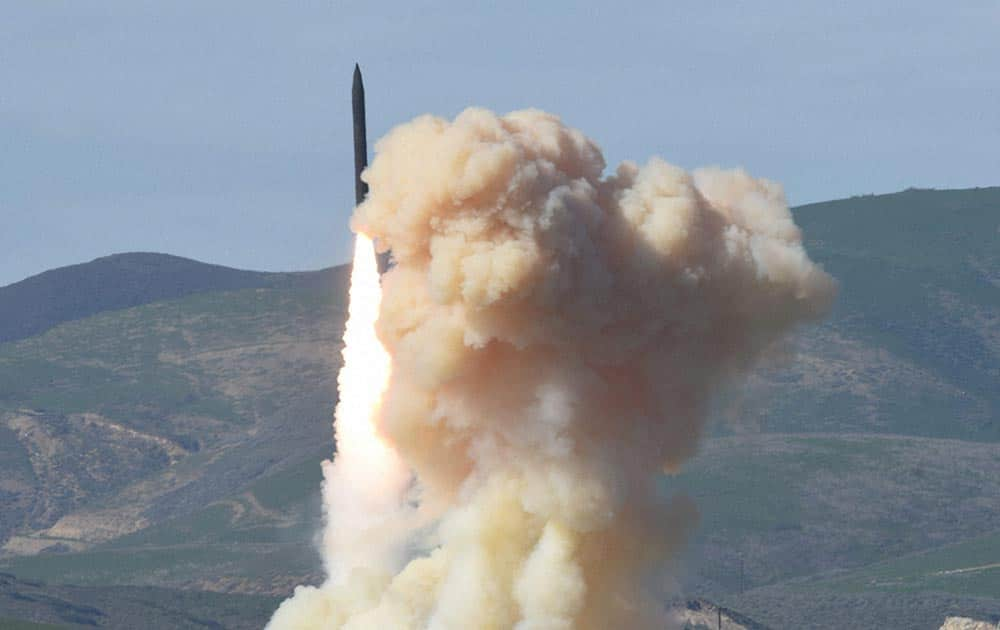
[(221, 130)]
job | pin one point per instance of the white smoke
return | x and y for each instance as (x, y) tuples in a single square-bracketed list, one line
[(555, 339)]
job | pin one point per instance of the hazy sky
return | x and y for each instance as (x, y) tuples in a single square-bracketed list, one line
[(221, 130)]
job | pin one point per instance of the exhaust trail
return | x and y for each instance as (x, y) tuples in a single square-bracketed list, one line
[(555, 337), (364, 484)]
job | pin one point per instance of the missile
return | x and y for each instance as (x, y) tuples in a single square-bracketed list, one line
[(361, 151), (360, 135)]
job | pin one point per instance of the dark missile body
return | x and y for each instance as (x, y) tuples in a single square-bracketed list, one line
[(361, 152), (360, 135)]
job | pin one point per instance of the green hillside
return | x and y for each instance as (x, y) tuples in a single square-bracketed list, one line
[(850, 500), (31, 605), (129, 417), (971, 567), (913, 343)]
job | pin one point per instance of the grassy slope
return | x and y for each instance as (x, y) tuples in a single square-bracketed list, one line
[(139, 365), (783, 607), (127, 608), (913, 344), (185, 401), (261, 540), (19, 624), (794, 505), (971, 567)]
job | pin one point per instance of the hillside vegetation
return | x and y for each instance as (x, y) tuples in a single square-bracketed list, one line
[(127, 418), (913, 344)]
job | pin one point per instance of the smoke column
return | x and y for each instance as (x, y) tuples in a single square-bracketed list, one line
[(555, 338)]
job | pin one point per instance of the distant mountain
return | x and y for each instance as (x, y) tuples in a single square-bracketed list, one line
[(913, 343), (38, 303)]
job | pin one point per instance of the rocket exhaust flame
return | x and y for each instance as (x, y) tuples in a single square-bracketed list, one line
[(364, 483), (365, 372), (555, 337)]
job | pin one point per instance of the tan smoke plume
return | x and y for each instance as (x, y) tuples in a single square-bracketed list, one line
[(555, 339)]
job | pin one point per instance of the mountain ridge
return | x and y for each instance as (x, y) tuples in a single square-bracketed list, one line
[(38, 303)]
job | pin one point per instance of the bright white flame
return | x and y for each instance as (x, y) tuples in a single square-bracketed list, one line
[(365, 371), (365, 482)]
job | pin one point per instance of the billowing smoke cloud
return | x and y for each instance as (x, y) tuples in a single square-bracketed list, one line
[(555, 340)]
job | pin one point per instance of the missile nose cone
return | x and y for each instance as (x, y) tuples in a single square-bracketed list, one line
[(358, 83)]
